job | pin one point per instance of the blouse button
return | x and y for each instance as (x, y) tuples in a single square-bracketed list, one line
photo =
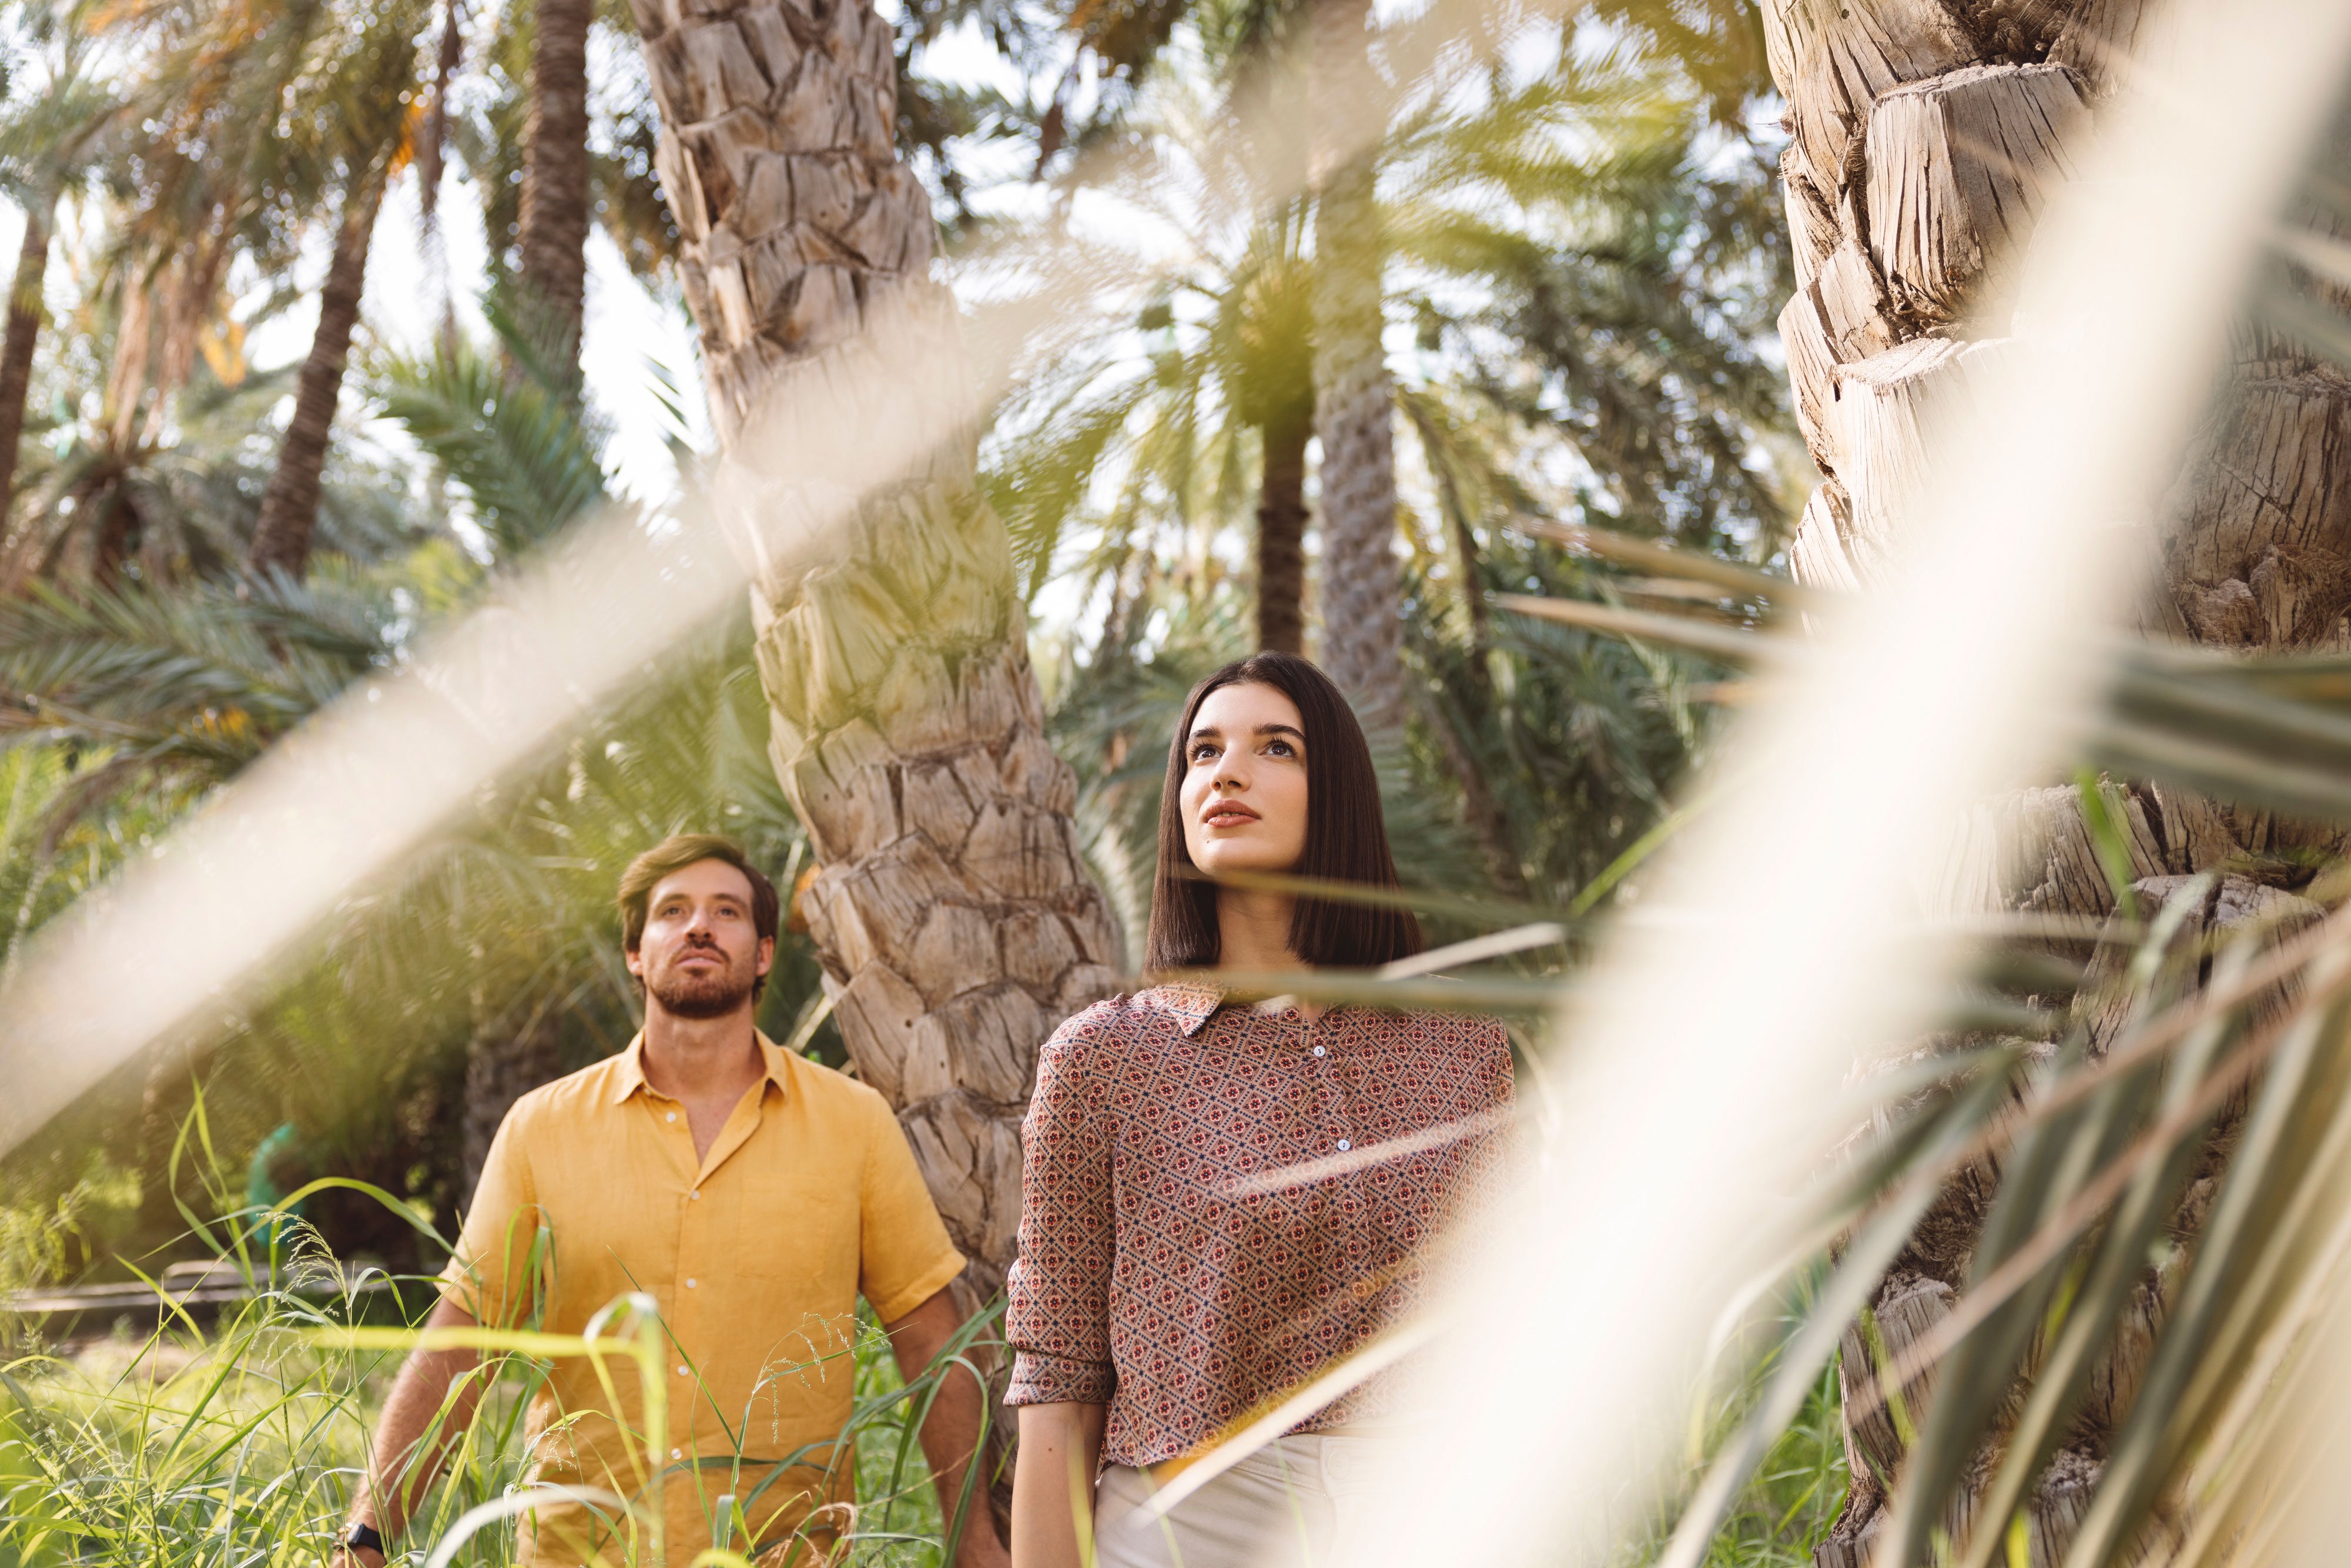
[(1318, 1051), (1344, 1145)]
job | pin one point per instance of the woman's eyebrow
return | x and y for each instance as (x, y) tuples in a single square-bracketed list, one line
[(1280, 730)]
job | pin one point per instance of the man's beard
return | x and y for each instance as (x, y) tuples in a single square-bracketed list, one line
[(703, 996)]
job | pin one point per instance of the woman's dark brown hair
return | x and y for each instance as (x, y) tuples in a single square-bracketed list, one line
[(1346, 836)]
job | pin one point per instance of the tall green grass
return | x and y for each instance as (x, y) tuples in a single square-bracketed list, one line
[(239, 1443)]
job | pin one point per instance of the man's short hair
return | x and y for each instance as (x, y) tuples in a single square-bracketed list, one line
[(676, 854)]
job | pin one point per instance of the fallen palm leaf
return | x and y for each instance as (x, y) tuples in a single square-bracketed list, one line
[(1744, 581), (1708, 637)]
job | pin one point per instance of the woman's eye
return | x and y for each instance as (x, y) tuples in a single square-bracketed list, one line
[(1201, 753), (1279, 748)]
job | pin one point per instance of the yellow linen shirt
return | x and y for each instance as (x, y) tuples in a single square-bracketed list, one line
[(755, 1256)]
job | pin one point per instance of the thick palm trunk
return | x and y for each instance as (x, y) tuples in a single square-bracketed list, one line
[(1361, 600), (508, 1057), (1925, 134), (1281, 534), (26, 312), (952, 913), (555, 196), (289, 507)]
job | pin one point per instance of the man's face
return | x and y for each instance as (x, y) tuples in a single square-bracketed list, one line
[(701, 951)]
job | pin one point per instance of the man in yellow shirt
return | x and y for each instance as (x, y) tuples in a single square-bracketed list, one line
[(752, 1196)]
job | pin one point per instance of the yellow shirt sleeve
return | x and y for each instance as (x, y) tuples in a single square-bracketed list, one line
[(906, 1256), (501, 1252)]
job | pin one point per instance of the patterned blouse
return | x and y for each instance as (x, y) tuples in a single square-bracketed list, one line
[(1219, 1202)]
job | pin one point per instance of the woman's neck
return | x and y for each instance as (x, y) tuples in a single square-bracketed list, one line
[(1253, 930)]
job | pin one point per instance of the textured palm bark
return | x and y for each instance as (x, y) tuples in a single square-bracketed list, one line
[(1281, 534), (289, 507), (952, 912), (26, 312), (507, 1058), (1926, 134), (551, 244), (1354, 407)]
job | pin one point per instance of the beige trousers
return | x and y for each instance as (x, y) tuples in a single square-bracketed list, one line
[(1289, 1505)]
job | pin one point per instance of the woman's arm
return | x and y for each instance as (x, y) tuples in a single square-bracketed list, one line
[(1053, 1484)]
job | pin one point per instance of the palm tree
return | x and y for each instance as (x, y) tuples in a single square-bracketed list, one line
[(1693, 48), (950, 907), (45, 151), (1923, 140), (555, 172), (358, 112), (1171, 393), (1354, 406), (509, 431)]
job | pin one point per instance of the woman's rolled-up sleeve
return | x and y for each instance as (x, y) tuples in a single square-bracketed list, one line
[(1058, 1315)]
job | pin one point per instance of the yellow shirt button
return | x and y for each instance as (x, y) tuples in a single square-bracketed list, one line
[(670, 1117), (681, 1369), (689, 1284), (678, 1453)]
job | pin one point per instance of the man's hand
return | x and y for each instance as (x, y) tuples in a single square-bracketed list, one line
[(951, 1435)]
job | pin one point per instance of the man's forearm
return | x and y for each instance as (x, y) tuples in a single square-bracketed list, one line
[(951, 1444), (421, 1419), (951, 1430)]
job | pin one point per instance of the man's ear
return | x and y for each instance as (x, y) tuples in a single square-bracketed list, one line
[(634, 958), (767, 954)]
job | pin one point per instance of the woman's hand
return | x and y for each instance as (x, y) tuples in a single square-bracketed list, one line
[(1053, 1484)]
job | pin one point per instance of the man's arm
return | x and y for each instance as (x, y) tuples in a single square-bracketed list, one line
[(402, 1462), (951, 1435), (1053, 1482)]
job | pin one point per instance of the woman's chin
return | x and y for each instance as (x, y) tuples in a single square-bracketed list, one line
[(1246, 860)]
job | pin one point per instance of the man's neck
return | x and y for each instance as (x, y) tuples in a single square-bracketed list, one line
[(693, 1059)]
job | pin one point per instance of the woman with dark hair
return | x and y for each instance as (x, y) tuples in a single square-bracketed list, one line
[(1220, 1200)]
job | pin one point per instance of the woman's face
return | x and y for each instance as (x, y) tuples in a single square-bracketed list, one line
[(1244, 793)]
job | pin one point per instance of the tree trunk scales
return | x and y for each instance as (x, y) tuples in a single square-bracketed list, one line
[(952, 912), (1925, 136)]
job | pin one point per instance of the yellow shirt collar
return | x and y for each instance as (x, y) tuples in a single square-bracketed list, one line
[(629, 1075)]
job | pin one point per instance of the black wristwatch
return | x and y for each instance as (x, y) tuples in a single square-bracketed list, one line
[(362, 1536)]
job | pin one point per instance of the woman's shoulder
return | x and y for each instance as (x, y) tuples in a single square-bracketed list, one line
[(1478, 1031), (1131, 1018), (1099, 1048)]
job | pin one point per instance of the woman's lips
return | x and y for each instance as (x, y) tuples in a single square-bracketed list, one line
[(1228, 816)]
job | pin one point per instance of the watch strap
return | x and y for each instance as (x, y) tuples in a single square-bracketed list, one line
[(362, 1536)]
